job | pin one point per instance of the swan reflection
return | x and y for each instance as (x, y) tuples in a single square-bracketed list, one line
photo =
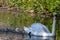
[(39, 38)]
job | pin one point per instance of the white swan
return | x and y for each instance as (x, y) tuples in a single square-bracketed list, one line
[(38, 29)]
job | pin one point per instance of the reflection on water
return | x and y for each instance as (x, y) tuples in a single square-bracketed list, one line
[(40, 38), (22, 37)]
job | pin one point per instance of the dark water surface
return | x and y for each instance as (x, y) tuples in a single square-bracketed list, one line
[(22, 37)]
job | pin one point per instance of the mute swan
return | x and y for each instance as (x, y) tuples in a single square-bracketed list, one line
[(38, 29)]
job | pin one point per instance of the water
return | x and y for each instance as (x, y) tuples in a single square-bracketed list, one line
[(41, 38), (10, 36)]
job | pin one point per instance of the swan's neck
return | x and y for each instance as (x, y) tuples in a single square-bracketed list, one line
[(53, 26)]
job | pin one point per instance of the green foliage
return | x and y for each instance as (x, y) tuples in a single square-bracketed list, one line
[(38, 6)]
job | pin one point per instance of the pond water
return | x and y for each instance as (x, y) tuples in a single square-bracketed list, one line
[(10, 36)]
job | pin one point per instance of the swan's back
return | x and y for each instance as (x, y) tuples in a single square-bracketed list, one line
[(38, 27)]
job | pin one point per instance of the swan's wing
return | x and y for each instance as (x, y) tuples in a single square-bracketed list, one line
[(39, 27), (45, 28)]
